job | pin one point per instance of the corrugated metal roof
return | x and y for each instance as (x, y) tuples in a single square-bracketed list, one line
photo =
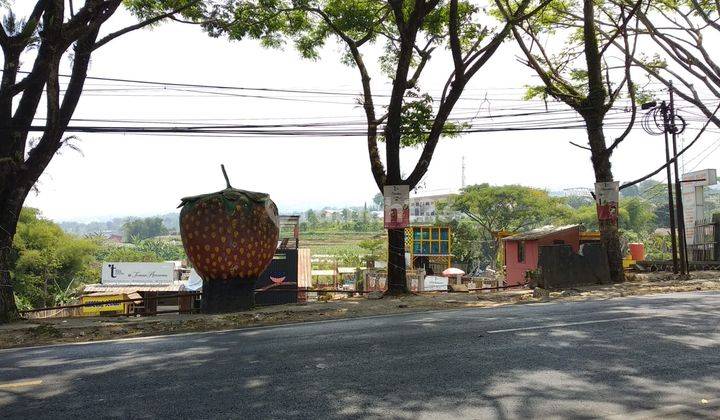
[(133, 295), (324, 272), (539, 232), (133, 289)]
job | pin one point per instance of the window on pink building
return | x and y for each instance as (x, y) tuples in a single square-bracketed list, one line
[(521, 251)]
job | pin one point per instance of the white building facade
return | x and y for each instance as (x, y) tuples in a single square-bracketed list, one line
[(423, 208)]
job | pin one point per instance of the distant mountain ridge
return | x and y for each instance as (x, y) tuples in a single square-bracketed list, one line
[(114, 226)]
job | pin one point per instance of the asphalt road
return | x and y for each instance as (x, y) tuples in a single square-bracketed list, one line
[(653, 356)]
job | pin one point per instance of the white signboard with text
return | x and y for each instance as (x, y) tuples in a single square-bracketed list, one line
[(436, 283), (135, 273)]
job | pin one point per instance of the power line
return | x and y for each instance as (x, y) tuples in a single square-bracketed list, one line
[(655, 172), (717, 145), (268, 89), (195, 130)]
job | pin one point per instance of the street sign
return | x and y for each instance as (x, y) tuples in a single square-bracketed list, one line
[(397, 206)]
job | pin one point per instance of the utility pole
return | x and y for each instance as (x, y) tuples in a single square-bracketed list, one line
[(682, 240), (651, 125), (671, 204)]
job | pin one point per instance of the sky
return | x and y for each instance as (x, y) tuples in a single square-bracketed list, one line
[(142, 175)]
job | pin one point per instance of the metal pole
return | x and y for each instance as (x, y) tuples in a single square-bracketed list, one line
[(671, 205), (682, 243)]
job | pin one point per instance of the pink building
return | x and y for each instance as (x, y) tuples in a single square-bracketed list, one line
[(523, 249)]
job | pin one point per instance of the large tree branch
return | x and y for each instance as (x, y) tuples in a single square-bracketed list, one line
[(51, 140), (397, 8), (622, 28), (48, 53), (88, 19), (701, 12), (459, 80), (551, 80), (392, 131), (52, 94), (682, 56), (424, 57), (691, 97), (8, 87), (376, 164), (596, 91), (33, 20), (455, 37), (140, 25), (631, 92)]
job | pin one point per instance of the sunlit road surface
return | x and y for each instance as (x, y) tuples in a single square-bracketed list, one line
[(639, 357)]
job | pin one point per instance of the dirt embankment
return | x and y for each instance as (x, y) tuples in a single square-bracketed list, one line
[(51, 331)]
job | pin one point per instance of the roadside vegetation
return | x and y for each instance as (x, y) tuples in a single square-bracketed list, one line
[(489, 210), (51, 265)]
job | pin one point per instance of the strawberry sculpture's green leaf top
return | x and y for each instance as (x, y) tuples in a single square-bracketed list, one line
[(230, 197)]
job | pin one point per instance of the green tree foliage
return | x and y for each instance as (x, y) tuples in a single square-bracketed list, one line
[(49, 266), (139, 229), (586, 215), (170, 220), (372, 248), (635, 215), (165, 250), (640, 215), (53, 38), (657, 247), (127, 254), (510, 208), (348, 220), (379, 201), (472, 245), (577, 201), (49, 263), (348, 258)]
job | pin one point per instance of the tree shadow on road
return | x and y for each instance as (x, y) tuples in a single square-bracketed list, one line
[(432, 365)]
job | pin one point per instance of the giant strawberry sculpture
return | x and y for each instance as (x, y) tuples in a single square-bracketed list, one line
[(230, 237)]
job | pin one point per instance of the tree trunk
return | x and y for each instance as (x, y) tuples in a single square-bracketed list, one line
[(495, 253), (610, 238), (397, 283), (609, 234), (10, 207), (8, 309)]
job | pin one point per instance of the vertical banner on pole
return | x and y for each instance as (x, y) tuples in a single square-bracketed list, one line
[(607, 196), (397, 206)]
